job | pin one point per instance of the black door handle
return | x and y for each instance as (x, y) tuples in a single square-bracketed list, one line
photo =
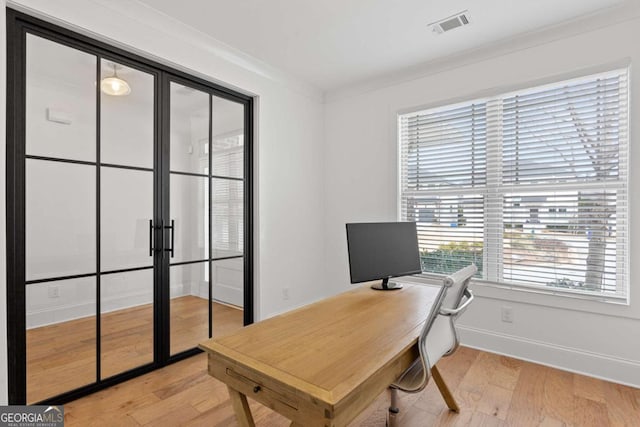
[(173, 228), (150, 237)]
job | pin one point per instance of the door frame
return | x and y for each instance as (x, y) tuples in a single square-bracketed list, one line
[(18, 25)]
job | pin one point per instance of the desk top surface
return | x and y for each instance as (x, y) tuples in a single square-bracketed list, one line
[(328, 348)]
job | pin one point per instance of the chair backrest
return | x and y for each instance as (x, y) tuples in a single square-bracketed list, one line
[(442, 337), (457, 284), (438, 336)]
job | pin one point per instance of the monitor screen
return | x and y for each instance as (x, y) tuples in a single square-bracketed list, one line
[(380, 250)]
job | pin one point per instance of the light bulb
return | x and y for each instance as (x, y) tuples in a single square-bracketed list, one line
[(115, 86)]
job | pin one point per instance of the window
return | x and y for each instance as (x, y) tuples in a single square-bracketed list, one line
[(531, 186)]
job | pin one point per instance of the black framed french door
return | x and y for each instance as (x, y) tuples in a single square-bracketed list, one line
[(129, 213)]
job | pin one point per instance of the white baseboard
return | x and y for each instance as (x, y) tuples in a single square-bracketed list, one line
[(228, 294), (602, 366), (79, 309), (45, 317)]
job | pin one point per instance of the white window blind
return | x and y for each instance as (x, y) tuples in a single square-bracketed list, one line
[(531, 185)]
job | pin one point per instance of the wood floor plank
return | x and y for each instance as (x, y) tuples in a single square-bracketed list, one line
[(589, 388), (528, 397), (558, 403), (505, 371), (174, 417), (589, 413), (621, 404), (415, 417), (430, 400), (473, 384), (481, 419), (495, 402), (548, 421)]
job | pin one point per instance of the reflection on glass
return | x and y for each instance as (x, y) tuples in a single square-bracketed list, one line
[(61, 337), (228, 138), (227, 217), (126, 208), (126, 304), (60, 219), (127, 122), (188, 208), (189, 126), (189, 308), (228, 285), (60, 101)]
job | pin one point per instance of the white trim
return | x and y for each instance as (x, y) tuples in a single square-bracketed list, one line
[(141, 15), (597, 365), (65, 313), (614, 15), (535, 296), (228, 294), (485, 95)]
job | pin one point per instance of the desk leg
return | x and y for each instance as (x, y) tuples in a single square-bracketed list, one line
[(444, 390), (241, 408)]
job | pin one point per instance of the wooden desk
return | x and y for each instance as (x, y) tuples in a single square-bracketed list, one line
[(322, 364)]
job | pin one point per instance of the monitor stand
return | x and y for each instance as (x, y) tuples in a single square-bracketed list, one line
[(384, 286)]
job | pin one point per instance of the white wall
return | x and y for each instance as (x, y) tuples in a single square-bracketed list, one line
[(289, 245), (361, 185)]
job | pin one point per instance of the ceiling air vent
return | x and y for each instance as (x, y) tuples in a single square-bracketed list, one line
[(452, 22)]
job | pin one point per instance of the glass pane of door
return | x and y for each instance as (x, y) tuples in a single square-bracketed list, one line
[(189, 123), (189, 308), (60, 219), (61, 336), (126, 121), (227, 217), (227, 280), (189, 207), (60, 101), (228, 138), (188, 211), (126, 321), (126, 213)]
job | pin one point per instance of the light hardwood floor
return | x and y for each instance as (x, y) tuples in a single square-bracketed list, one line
[(492, 390), (62, 356)]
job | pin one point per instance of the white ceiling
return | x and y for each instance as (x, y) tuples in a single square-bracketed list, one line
[(332, 43)]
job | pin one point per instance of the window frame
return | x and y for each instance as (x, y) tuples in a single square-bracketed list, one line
[(490, 286)]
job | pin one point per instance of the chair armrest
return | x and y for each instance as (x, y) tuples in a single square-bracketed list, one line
[(463, 307)]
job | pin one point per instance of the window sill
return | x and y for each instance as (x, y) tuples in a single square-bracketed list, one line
[(556, 298)]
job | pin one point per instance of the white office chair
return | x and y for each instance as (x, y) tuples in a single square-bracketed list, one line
[(438, 338)]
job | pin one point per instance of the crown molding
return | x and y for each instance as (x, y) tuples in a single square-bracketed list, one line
[(117, 14), (627, 11)]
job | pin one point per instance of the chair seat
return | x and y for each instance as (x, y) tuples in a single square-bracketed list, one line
[(440, 341), (412, 378)]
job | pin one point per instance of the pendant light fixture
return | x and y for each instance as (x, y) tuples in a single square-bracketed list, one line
[(114, 85)]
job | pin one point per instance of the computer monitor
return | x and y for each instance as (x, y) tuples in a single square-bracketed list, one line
[(381, 250)]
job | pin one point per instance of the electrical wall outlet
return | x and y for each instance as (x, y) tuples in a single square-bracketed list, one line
[(285, 293), (507, 314), (54, 292)]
